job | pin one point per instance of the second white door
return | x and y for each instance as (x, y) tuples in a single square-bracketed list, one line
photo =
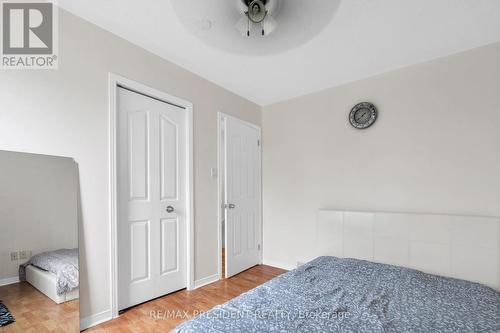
[(152, 201), (242, 183)]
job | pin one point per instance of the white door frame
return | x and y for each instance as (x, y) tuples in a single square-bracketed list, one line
[(220, 166), (116, 81)]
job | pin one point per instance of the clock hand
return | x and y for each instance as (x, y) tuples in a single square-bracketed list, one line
[(361, 116)]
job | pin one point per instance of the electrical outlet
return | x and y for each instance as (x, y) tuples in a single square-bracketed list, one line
[(14, 256), (23, 255)]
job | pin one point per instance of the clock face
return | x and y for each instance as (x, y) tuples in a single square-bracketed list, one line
[(363, 115)]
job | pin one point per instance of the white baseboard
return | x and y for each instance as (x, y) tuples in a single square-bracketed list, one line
[(7, 281), (207, 280), (279, 264), (96, 319)]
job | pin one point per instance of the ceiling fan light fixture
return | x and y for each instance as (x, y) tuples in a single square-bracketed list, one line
[(257, 11), (257, 17)]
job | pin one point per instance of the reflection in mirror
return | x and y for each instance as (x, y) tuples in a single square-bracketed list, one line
[(38, 243)]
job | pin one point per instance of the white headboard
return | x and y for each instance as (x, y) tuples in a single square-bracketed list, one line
[(464, 247)]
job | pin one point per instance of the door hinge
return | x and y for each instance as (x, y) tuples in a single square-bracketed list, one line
[(258, 247), (258, 142)]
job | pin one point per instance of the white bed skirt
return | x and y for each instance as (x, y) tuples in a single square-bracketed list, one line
[(45, 282)]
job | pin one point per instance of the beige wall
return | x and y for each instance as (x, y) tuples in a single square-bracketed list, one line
[(38, 206), (65, 112), (435, 148)]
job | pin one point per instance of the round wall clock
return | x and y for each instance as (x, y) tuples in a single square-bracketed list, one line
[(363, 115)]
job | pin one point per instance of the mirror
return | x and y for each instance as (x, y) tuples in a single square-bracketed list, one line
[(39, 275)]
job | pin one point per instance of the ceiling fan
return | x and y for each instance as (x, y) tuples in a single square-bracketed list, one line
[(257, 17), (254, 27)]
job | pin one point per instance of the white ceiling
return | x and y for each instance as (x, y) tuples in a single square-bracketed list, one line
[(363, 38), (299, 21)]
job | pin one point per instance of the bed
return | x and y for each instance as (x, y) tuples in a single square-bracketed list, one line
[(331, 294), (377, 272), (54, 273)]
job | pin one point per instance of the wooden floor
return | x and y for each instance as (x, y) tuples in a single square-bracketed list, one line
[(36, 313), (153, 316)]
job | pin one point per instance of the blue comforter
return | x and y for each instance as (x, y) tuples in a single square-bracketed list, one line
[(331, 294)]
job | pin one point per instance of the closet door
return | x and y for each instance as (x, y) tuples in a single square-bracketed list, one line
[(152, 205)]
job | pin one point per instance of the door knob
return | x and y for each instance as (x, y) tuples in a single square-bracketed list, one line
[(170, 209), (231, 206)]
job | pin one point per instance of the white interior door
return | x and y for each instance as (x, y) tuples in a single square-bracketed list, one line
[(152, 201), (242, 195)]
